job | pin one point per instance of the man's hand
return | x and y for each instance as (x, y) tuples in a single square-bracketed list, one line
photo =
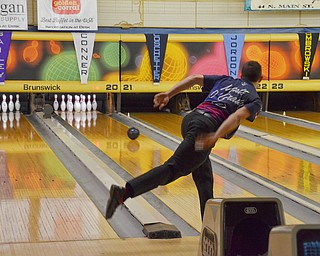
[(160, 100), (205, 141)]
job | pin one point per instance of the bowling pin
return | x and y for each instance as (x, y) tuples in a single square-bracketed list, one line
[(55, 103), (17, 104), (4, 104), (83, 103), (77, 105), (11, 104), (67, 103), (80, 99), (70, 103), (89, 105), (63, 103), (94, 103)]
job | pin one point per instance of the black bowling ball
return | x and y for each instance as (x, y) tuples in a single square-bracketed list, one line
[(133, 133)]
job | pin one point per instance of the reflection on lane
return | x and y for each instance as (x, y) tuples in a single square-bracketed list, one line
[(286, 131), (39, 199), (305, 115)]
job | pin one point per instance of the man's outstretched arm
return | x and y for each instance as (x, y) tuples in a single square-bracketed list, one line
[(162, 99)]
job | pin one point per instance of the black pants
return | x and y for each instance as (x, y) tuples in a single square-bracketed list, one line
[(184, 161)]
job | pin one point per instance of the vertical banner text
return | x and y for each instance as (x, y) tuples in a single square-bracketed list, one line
[(83, 43), (308, 46), (5, 40), (156, 44), (233, 46)]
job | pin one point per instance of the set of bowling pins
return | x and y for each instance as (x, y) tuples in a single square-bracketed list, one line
[(78, 105), (10, 106)]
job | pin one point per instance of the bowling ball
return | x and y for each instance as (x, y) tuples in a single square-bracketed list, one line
[(133, 133)]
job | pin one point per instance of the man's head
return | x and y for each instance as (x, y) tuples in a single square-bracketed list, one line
[(252, 71)]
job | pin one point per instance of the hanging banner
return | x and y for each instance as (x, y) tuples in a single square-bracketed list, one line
[(281, 5), (83, 43), (156, 44), (308, 46), (13, 15), (67, 15), (233, 45), (5, 40)]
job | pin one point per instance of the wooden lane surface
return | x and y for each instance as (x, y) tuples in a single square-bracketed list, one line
[(142, 154), (287, 131), (39, 199), (293, 173), (186, 246), (43, 211), (304, 115)]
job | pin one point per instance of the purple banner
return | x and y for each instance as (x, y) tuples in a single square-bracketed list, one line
[(5, 40)]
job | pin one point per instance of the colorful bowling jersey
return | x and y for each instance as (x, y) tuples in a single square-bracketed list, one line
[(226, 95)]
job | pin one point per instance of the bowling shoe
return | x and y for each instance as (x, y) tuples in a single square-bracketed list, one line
[(116, 198)]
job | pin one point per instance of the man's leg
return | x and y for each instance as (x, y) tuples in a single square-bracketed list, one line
[(203, 178), (184, 161)]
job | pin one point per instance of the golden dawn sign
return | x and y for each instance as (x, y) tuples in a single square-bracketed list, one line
[(70, 15)]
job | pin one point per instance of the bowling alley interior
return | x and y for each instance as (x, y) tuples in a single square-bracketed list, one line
[(78, 80)]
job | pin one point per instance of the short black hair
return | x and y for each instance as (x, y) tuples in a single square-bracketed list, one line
[(252, 71)]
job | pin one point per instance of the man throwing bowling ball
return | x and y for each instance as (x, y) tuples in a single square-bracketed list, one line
[(229, 102)]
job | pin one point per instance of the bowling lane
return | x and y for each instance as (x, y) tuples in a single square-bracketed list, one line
[(186, 246), (140, 155), (285, 130), (304, 115), (292, 173), (39, 199)]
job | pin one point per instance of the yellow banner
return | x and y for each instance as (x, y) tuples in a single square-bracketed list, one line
[(17, 86), (61, 36), (59, 86), (91, 87), (101, 37), (289, 86), (150, 87)]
